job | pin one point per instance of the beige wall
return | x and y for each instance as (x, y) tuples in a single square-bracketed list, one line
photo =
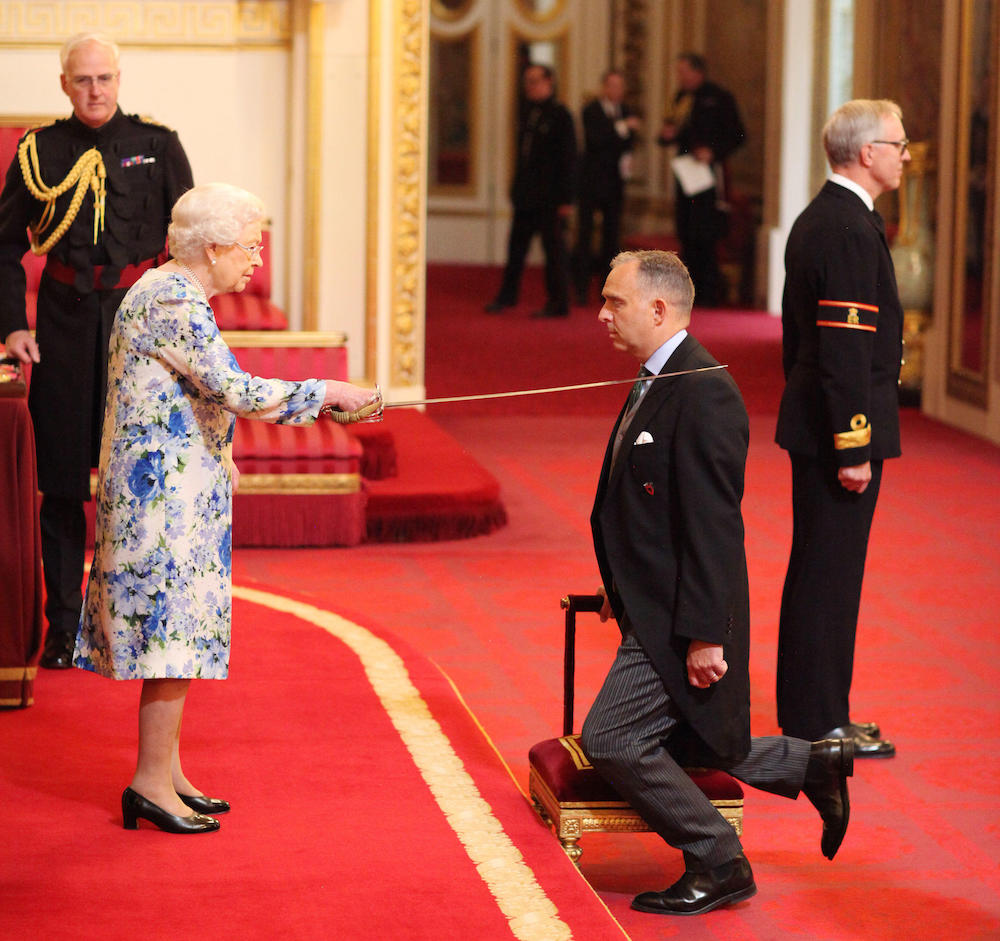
[(271, 96), (220, 99)]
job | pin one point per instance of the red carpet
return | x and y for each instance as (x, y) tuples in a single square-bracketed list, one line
[(920, 857), (435, 488), (366, 804), (919, 860)]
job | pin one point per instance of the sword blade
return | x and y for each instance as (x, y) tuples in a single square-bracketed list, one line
[(549, 389)]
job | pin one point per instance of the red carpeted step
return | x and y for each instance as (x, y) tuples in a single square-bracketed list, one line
[(439, 492)]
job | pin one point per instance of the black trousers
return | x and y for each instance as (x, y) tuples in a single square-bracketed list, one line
[(700, 226), (550, 226), (584, 263), (635, 737), (63, 527), (822, 596)]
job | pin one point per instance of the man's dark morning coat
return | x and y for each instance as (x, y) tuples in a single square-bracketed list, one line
[(842, 328), (668, 533)]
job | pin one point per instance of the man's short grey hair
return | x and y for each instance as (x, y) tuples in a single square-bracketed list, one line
[(661, 274), (210, 214), (853, 125), (80, 39)]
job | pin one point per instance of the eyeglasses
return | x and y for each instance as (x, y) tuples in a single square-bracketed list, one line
[(89, 81), (253, 251), (900, 145)]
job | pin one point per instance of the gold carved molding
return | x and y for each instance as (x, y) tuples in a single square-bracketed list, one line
[(410, 30), (147, 22)]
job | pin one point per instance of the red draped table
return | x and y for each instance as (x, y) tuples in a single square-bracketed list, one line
[(20, 556)]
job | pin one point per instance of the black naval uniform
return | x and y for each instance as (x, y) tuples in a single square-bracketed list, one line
[(602, 189), (705, 117), (543, 181), (81, 288), (842, 343)]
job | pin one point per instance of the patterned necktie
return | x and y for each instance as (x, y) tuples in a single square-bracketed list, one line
[(637, 389)]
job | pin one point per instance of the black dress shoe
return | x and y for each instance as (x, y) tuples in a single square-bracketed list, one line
[(865, 745), (58, 651), (869, 728), (698, 892), (205, 805), (831, 763), (547, 312), (135, 806), (495, 307)]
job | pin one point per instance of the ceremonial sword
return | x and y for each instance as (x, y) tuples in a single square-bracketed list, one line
[(372, 412)]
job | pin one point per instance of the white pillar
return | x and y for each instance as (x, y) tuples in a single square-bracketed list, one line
[(796, 131)]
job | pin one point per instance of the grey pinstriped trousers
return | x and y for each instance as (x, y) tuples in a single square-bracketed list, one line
[(626, 736)]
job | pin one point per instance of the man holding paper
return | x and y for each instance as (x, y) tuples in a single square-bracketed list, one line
[(705, 126)]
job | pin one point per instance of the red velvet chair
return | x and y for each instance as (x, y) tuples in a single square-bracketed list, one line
[(570, 795)]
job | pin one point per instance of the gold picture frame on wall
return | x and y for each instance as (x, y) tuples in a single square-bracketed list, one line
[(541, 11), (974, 297), (450, 9), (454, 116)]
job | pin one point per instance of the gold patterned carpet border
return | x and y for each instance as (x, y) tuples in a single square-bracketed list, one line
[(530, 914)]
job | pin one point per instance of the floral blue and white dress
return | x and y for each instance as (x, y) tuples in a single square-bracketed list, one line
[(159, 597)]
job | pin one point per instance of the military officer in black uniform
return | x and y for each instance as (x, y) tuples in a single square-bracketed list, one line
[(541, 194), (95, 192), (704, 123), (839, 418)]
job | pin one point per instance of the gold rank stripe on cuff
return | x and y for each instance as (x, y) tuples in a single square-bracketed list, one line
[(859, 435), (850, 311)]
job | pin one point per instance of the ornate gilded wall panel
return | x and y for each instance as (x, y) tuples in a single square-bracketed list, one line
[(409, 56), (975, 192), (149, 22)]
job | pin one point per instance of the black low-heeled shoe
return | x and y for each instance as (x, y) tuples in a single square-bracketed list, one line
[(135, 806), (205, 805)]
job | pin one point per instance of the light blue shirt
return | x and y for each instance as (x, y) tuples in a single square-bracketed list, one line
[(654, 364), (658, 360)]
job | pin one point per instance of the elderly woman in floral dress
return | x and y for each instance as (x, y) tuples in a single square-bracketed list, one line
[(159, 597)]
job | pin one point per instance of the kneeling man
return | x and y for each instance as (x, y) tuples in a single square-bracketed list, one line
[(668, 533)]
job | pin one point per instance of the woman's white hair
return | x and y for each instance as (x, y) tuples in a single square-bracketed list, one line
[(74, 42), (210, 214)]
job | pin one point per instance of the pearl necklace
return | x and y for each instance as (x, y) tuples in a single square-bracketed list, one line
[(192, 276)]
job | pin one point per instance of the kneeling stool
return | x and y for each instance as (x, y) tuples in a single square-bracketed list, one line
[(569, 794)]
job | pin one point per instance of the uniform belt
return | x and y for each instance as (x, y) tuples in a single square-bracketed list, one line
[(66, 274)]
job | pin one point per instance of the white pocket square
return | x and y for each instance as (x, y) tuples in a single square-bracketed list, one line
[(644, 438)]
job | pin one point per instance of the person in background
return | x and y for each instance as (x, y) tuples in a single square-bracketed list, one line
[(842, 342), (95, 191), (542, 194), (609, 129), (158, 602), (706, 124)]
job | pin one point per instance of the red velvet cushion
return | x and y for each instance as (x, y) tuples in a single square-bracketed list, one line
[(323, 448), (562, 765), (379, 459), (292, 362), (247, 312)]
